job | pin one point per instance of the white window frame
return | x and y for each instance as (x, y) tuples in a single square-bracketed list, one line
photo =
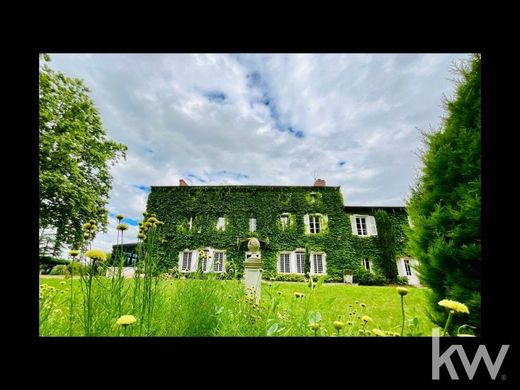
[(323, 260), (284, 220), (252, 224), (190, 223), (316, 218), (407, 267), (285, 253), (223, 264), (194, 261), (295, 256), (221, 223), (364, 262), (370, 225)]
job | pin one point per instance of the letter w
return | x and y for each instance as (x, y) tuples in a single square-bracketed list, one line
[(482, 353)]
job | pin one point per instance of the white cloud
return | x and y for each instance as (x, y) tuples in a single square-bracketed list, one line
[(204, 114)]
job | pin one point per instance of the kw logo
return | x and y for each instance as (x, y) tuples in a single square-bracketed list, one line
[(471, 368)]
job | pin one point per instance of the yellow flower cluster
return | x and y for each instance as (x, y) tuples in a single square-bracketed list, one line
[(339, 325), (126, 320), (367, 319), (96, 254), (402, 291), (378, 332), (454, 305), (122, 227)]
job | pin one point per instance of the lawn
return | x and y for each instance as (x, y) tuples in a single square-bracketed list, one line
[(219, 308)]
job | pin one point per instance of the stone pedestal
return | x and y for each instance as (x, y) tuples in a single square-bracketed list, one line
[(253, 276)]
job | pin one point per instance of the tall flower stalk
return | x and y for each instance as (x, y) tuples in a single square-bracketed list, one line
[(452, 307), (94, 255), (402, 292), (73, 253)]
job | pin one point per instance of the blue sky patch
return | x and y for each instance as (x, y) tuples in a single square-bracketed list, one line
[(142, 187), (216, 96)]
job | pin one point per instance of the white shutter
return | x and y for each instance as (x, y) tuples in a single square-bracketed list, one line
[(210, 259), (401, 270), (194, 260), (353, 224), (180, 261), (324, 262), (372, 226), (306, 223), (292, 261)]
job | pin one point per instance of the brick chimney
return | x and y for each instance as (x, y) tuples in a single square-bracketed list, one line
[(182, 183), (319, 183)]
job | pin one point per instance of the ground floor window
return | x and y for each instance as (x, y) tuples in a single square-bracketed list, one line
[(318, 264), (186, 258), (407, 267), (291, 262), (366, 264)]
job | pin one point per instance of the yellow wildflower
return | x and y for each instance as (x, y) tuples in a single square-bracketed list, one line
[(120, 216), (367, 319), (87, 226), (315, 326), (339, 325), (126, 320), (378, 332), (122, 227), (402, 291), (363, 305), (96, 254), (454, 305), (73, 252)]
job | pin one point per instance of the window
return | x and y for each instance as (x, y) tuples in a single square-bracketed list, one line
[(314, 224), (363, 225), (313, 197), (218, 265), (252, 224), (284, 263), (300, 262), (366, 264), (221, 224), (186, 261), (407, 267), (284, 220), (190, 223), (317, 263), (205, 261)]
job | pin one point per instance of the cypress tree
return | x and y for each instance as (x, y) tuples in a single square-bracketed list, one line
[(445, 204)]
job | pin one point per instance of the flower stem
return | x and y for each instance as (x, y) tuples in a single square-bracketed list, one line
[(402, 313), (445, 331)]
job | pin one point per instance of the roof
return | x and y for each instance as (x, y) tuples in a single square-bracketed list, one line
[(246, 186), (355, 208)]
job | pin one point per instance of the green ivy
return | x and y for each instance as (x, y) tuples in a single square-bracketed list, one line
[(175, 205)]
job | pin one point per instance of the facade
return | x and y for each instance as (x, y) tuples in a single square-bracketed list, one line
[(302, 229)]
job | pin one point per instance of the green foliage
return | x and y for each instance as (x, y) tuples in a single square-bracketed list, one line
[(175, 206), (289, 278), (402, 281), (59, 270), (387, 239), (445, 204), (48, 262), (365, 278), (74, 156)]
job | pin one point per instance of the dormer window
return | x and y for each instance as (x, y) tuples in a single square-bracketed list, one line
[(221, 223), (190, 223), (313, 197)]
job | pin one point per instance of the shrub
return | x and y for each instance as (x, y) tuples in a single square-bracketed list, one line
[(289, 278), (76, 268), (60, 269), (366, 278), (48, 262), (402, 281)]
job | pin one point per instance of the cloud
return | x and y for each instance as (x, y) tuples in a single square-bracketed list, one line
[(282, 119)]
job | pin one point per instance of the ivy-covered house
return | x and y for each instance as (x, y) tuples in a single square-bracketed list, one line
[(302, 229)]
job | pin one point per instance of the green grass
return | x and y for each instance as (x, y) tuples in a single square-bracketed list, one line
[(219, 308)]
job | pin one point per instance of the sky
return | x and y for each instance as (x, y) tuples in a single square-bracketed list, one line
[(353, 120)]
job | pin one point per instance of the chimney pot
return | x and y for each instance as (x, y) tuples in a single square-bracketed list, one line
[(319, 183), (182, 183)]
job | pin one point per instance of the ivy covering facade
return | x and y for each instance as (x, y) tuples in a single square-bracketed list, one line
[(307, 219)]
